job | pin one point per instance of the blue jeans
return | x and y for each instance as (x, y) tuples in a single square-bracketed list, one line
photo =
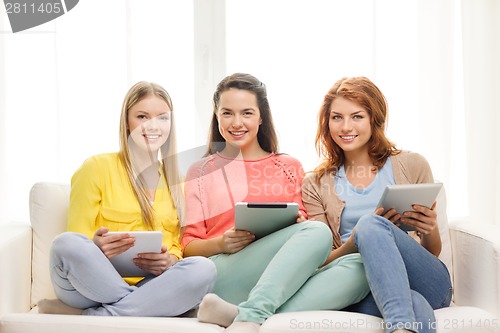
[(406, 281), (84, 278)]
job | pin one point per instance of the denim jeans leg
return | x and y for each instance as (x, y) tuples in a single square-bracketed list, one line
[(395, 265), (367, 306), (424, 314)]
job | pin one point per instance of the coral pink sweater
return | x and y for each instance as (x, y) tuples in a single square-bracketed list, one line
[(214, 184)]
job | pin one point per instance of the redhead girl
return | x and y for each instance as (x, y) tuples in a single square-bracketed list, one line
[(406, 279)]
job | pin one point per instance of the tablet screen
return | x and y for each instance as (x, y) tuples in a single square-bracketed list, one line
[(401, 197), (263, 218), (145, 241)]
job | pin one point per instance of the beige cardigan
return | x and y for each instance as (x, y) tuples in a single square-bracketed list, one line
[(323, 204)]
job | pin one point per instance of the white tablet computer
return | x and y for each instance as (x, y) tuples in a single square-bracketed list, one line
[(263, 218), (401, 197), (145, 241)]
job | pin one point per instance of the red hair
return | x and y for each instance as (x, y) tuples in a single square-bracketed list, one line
[(362, 91)]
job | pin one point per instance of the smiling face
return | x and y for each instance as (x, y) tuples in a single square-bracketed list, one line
[(239, 119), (349, 126), (149, 123)]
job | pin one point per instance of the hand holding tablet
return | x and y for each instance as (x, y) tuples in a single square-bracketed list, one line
[(145, 242), (402, 197)]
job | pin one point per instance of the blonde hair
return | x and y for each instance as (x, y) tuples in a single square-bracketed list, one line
[(168, 151)]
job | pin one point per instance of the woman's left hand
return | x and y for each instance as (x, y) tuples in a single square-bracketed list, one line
[(155, 263), (300, 217), (422, 219)]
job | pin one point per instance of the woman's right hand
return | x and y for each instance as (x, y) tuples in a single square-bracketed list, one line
[(350, 245), (113, 244), (236, 240)]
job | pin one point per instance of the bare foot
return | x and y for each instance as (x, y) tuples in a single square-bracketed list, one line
[(55, 306), (215, 310)]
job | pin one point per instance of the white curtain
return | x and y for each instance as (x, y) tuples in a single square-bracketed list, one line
[(481, 54), (66, 80), (405, 47), (4, 216), (420, 53), (62, 83)]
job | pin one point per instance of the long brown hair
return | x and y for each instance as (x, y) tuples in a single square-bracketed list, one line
[(362, 91), (266, 136), (168, 151)]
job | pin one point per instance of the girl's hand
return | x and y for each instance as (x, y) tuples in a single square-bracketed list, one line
[(112, 245), (155, 263), (300, 217), (346, 248), (236, 240), (423, 219), (391, 214)]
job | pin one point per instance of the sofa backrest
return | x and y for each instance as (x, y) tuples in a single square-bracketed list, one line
[(48, 214)]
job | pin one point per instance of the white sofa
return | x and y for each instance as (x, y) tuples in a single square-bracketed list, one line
[(25, 280)]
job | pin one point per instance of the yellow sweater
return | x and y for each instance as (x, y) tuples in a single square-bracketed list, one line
[(101, 196)]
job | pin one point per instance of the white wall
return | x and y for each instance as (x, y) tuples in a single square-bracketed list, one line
[(3, 162), (209, 60)]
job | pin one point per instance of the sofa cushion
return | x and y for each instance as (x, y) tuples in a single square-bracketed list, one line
[(448, 320), (479, 253), (465, 319), (322, 321), (48, 215), (42, 323), (15, 261)]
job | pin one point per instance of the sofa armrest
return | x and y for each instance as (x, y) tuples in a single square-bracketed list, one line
[(476, 265), (15, 261)]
